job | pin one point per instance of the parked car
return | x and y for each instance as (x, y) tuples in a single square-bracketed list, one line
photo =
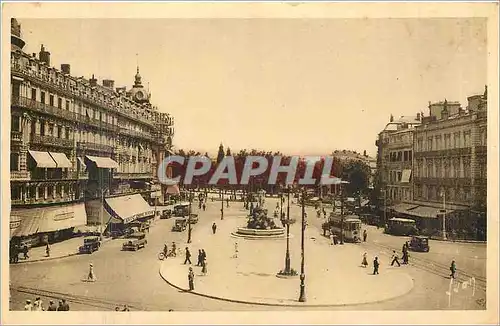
[(136, 241), (419, 243), (179, 225), (90, 244), (193, 218)]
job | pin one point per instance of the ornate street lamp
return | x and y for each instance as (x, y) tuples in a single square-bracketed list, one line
[(222, 204), (302, 297), (288, 270), (189, 217)]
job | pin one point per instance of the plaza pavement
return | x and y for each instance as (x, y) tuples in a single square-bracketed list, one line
[(334, 276)]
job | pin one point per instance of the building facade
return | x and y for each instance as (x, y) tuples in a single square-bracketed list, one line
[(74, 140), (435, 169)]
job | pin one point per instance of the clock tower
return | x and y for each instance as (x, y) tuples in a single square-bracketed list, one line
[(138, 93)]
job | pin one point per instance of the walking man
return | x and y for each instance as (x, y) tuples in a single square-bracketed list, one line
[(28, 306), (188, 257), (204, 206), (52, 306), (365, 234), (453, 269), (214, 228), (91, 277), (191, 279), (364, 262), (203, 256), (375, 266), (227, 202), (395, 259), (47, 250), (200, 258)]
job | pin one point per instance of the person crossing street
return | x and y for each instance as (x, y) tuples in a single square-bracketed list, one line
[(188, 257)]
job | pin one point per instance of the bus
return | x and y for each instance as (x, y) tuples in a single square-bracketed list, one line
[(401, 226), (350, 224)]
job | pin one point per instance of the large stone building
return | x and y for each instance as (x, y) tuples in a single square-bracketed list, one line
[(79, 149), (437, 169)]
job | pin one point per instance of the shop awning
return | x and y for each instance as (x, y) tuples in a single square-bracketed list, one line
[(61, 160), (173, 190), (427, 212), (43, 159), (29, 221), (405, 177), (404, 208), (129, 208), (103, 162)]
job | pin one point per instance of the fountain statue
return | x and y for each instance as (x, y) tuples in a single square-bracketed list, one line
[(260, 226)]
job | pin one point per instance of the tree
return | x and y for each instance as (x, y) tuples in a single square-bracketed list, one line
[(358, 174), (364, 153), (228, 152), (220, 154), (392, 118)]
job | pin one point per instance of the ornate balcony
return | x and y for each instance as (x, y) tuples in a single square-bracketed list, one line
[(51, 141), (16, 136), (442, 181), (125, 175), (20, 175), (444, 152), (95, 147), (98, 123), (135, 133), (42, 108)]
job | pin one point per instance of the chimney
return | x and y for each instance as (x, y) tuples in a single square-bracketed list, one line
[(93, 81), (108, 83), (44, 56), (66, 68), (34, 55)]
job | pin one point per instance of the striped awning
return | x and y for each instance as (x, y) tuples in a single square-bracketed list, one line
[(61, 160), (43, 159), (129, 208)]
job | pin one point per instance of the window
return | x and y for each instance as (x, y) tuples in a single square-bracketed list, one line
[(451, 194), (429, 143), (67, 133), (399, 176), (447, 141), (67, 105), (33, 94), (410, 155), (51, 100), (439, 145), (41, 192), (59, 132), (483, 136), (14, 161), (467, 138), (405, 156), (446, 168), (51, 129), (59, 103), (42, 127), (456, 140), (456, 168), (467, 194), (42, 97), (467, 169), (439, 169), (15, 123), (15, 193)]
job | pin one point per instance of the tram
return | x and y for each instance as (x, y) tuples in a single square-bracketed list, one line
[(351, 224)]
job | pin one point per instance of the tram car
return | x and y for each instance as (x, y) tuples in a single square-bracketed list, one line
[(351, 224)]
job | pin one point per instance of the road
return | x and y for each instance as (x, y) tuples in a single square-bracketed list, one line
[(132, 278)]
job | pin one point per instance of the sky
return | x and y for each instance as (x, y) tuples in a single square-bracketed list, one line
[(300, 86)]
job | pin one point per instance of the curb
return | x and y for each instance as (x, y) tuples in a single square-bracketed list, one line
[(282, 304), (45, 259), (459, 241)]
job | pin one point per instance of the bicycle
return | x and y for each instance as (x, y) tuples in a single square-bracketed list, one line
[(161, 255)]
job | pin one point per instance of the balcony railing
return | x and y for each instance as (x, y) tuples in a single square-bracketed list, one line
[(16, 136), (443, 181), (127, 175), (95, 147), (49, 200), (444, 152), (20, 175), (135, 133), (42, 107), (52, 141)]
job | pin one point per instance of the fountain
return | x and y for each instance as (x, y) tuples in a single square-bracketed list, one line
[(260, 226)]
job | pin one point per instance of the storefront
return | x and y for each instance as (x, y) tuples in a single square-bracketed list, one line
[(37, 226)]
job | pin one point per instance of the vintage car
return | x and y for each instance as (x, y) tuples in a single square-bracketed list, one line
[(180, 224), (193, 218), (90, 244), (136, 241), (136, 227), (182, 209), (401, 226), (419, 243)]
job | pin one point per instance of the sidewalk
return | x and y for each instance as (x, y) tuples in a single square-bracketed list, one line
[(332, 272)]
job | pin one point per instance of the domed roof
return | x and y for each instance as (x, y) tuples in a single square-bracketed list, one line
[(138, 93)]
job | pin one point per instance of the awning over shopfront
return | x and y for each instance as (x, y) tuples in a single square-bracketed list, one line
[(129, 208), (428, 212), (29, 221), (404, 208), (406, 175), (173, 190), (103, 162), (43, 159), (61, 160)]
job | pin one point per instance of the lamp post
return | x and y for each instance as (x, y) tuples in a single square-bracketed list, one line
[(443, 194), (222, 204), (287, 270), (189, 218), (302, 297)]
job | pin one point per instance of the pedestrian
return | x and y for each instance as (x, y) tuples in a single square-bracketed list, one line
[(453, 269), (364, 262), (375, 266), (25, 252), (191, 279), (204, 268), (405, 257), (60, 306), (38, 304), (395, 258), (227, 202), (331, 237), (47, 250), (52, 306), (365, 234), (204, 207), (188, 257), (203, 256), (214, 228), (63, 305), (91, 277), (200, 257), (235, 250), (28, 306), (125, 308), (117, 308), (174, 249), (221, 214)]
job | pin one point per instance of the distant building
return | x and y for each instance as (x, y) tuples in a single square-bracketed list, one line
[(77, 146)]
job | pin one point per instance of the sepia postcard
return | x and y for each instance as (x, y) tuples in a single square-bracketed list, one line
[(249, 163)]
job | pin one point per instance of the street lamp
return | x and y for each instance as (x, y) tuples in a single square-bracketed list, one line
[(302, 297), (443, 194), (342, 183), (222, 205), (287, 222), (189, 217)]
